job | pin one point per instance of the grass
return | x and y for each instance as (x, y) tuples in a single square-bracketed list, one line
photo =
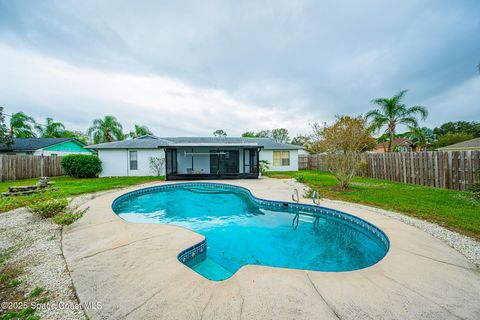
[(456, 210), (67, 187)]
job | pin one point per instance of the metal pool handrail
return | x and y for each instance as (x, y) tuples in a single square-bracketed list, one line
[(295, 194), (316, 197)]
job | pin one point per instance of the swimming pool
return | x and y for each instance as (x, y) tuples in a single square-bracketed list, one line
[(241, 229)]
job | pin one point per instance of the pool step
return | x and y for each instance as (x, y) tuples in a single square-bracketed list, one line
[(205, 191), (212, 270)]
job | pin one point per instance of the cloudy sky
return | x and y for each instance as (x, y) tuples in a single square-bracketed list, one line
[(190, 67)]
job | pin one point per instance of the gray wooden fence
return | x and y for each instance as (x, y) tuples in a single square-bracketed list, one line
[(451, 170), (15, 167)]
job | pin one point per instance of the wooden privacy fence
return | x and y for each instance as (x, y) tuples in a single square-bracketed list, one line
[(15, 167), (451, 170)]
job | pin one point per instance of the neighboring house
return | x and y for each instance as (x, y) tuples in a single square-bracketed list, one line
[(401, 144), (473, 144), (45, 147), (303, 152), (196, 157)]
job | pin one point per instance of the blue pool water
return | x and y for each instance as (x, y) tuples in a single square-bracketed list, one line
[(241, 229)]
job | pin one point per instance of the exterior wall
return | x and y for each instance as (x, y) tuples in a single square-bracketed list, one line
[(116, 162), (268, 155), (58, 153)]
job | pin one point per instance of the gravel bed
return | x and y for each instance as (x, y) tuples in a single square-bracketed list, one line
[(40, 252), (469, 247)]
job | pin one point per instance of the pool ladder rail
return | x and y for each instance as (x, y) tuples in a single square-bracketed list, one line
[(296, 218), (315, 197)]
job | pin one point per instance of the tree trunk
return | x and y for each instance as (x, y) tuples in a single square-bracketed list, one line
[(392, 137)]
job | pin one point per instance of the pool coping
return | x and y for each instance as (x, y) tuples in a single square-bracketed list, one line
[(198, 252)]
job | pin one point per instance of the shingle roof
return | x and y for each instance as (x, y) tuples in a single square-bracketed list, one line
[(149, 143), (396, 141), (140, 143), (465, 145), (31, 144)]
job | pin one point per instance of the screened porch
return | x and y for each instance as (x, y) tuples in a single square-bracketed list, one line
[(211, 162)]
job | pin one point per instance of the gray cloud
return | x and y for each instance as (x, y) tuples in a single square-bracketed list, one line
[(286, 63)]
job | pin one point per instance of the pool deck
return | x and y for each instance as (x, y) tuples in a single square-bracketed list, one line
[(132, 269)]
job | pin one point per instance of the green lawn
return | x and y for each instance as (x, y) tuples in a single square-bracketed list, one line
[(67, 187), (455, 210)]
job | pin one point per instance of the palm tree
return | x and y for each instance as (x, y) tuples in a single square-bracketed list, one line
[(140, 131), (418, 137), (393, 112), (21, 126), (107, 129), (51, 129)]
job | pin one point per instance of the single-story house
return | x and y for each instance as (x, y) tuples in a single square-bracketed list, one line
[(196, 157), (401, 144), (473, 144), (45, 147)]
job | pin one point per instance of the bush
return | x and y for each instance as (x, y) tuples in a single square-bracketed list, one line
[(49, 208), (300, 177), (68, 216), (82, 166)]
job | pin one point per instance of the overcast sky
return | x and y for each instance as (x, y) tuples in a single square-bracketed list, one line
[(190, 67)]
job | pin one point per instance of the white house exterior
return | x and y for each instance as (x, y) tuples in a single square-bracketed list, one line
[(196, 157)]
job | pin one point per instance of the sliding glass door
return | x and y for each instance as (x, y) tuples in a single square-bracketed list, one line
[(224, 161)]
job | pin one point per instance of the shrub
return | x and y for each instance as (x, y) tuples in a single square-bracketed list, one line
[(300, 177), (68, 216), (263, 166), (156, 165), (49, 208), (82, 166)]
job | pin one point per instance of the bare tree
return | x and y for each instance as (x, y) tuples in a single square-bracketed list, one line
[(157, 165), (344, 142)]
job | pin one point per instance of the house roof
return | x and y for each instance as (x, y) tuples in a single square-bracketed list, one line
[(32, 144), (397, 141), (149, 142), (472, 144)]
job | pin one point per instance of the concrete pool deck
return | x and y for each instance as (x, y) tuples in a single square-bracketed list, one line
[(133, 271)]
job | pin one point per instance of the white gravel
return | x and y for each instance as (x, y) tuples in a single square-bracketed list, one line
[(40, 253), (469, 247)]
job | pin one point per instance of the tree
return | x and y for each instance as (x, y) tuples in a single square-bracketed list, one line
[(219, 133), (249, 134), (472, 128), (51, 129), (140, 131), (80, 136), (304, 141), (418, 138), (452, 138), (5, 138), (393, 112), (156, 165), (21, 126), (264, 134), (422, 138), (280, 135), (344, 142), (107, 129)]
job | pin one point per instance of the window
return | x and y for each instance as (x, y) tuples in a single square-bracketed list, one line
[(281, 158), (133, 160)]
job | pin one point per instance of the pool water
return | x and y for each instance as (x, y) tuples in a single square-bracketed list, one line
[(241, 230)]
